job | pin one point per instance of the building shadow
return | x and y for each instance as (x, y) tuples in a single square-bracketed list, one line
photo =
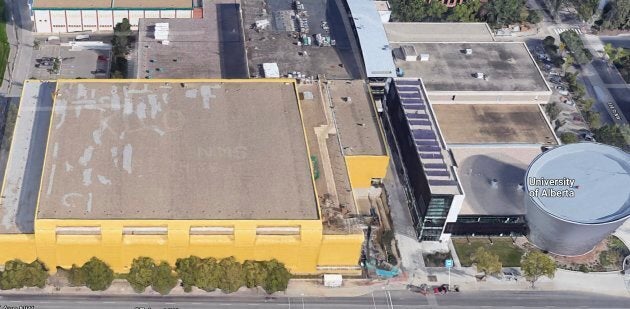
[(231, 44)]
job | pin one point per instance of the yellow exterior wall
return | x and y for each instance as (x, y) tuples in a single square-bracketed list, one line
[(338, 250), (301, 253), (361, 169), (17, 246)]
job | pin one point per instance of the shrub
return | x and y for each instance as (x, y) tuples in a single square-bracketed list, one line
[(141, 273), (18, 274), (98, 275), (277, 278), (163, 279)]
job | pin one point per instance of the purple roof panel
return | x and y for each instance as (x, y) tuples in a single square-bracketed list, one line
[(436, 155), (427, 142), (435, 165), (423, 134), (435, 182), (437, 173)]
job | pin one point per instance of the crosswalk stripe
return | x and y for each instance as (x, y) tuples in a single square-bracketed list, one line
[(561, 30)]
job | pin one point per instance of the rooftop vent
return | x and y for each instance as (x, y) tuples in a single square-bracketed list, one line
[(494, 183)]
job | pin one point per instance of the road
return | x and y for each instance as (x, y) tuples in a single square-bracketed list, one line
[(377, 300), (21, 41), (617, 41), (615, 85)]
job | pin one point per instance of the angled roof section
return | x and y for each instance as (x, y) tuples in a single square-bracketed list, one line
[(377, 55)]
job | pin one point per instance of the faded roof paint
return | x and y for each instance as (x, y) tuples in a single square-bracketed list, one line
[(171, 149)]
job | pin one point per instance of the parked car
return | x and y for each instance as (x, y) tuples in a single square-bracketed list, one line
[(562, 90), (103, 58), (99, 71)]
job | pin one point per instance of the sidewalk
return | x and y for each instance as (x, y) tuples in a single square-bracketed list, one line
[(610, 283), (602, 283)]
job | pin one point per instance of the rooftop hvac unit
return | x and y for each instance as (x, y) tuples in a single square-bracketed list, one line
[(424, 57), (480, 75), (468, 51), (271, 70), (409, 52), (160, 32)]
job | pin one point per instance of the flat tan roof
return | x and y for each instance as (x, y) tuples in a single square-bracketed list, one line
[(508, 66), (479, 166), (493, 123), (175, 149), (438, 32), (356, 118), (43, 4)]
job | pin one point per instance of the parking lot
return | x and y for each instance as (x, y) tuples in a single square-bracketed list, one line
[(67, 60)]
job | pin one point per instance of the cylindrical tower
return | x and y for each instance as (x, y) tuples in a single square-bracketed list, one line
[(576, 195)]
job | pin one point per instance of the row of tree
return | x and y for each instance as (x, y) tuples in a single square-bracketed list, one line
[(576, 47), (534, 264), (207, 274), (496, 12)]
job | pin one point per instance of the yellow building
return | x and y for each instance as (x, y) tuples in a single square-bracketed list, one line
[(173, 168)]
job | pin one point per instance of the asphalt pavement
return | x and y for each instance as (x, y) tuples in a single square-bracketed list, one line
[(377, 300), (617, 41), (612, 80)]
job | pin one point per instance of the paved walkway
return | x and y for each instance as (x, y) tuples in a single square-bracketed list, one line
[(601, 283), (21, 41)]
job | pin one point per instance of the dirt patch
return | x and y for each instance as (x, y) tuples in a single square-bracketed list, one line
[(606, 256)]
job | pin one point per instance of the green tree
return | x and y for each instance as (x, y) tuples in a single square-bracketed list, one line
[(141, 273), (534, 17), (617, 15), (504, 12), (552, 110), (163, 280), (410, 10), (277, 278), (436, 10), (592, 118), (535, 265), (254, 273), (549, 41), (18, 274), (587, 104), (208, 275), (568, 62), (568, 138), (98, 275), (76, 276), (122, 37), (615, 135), (186, 269), (575, 45), (486, 262), (586, 8), (233, 277), (465, 12)]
